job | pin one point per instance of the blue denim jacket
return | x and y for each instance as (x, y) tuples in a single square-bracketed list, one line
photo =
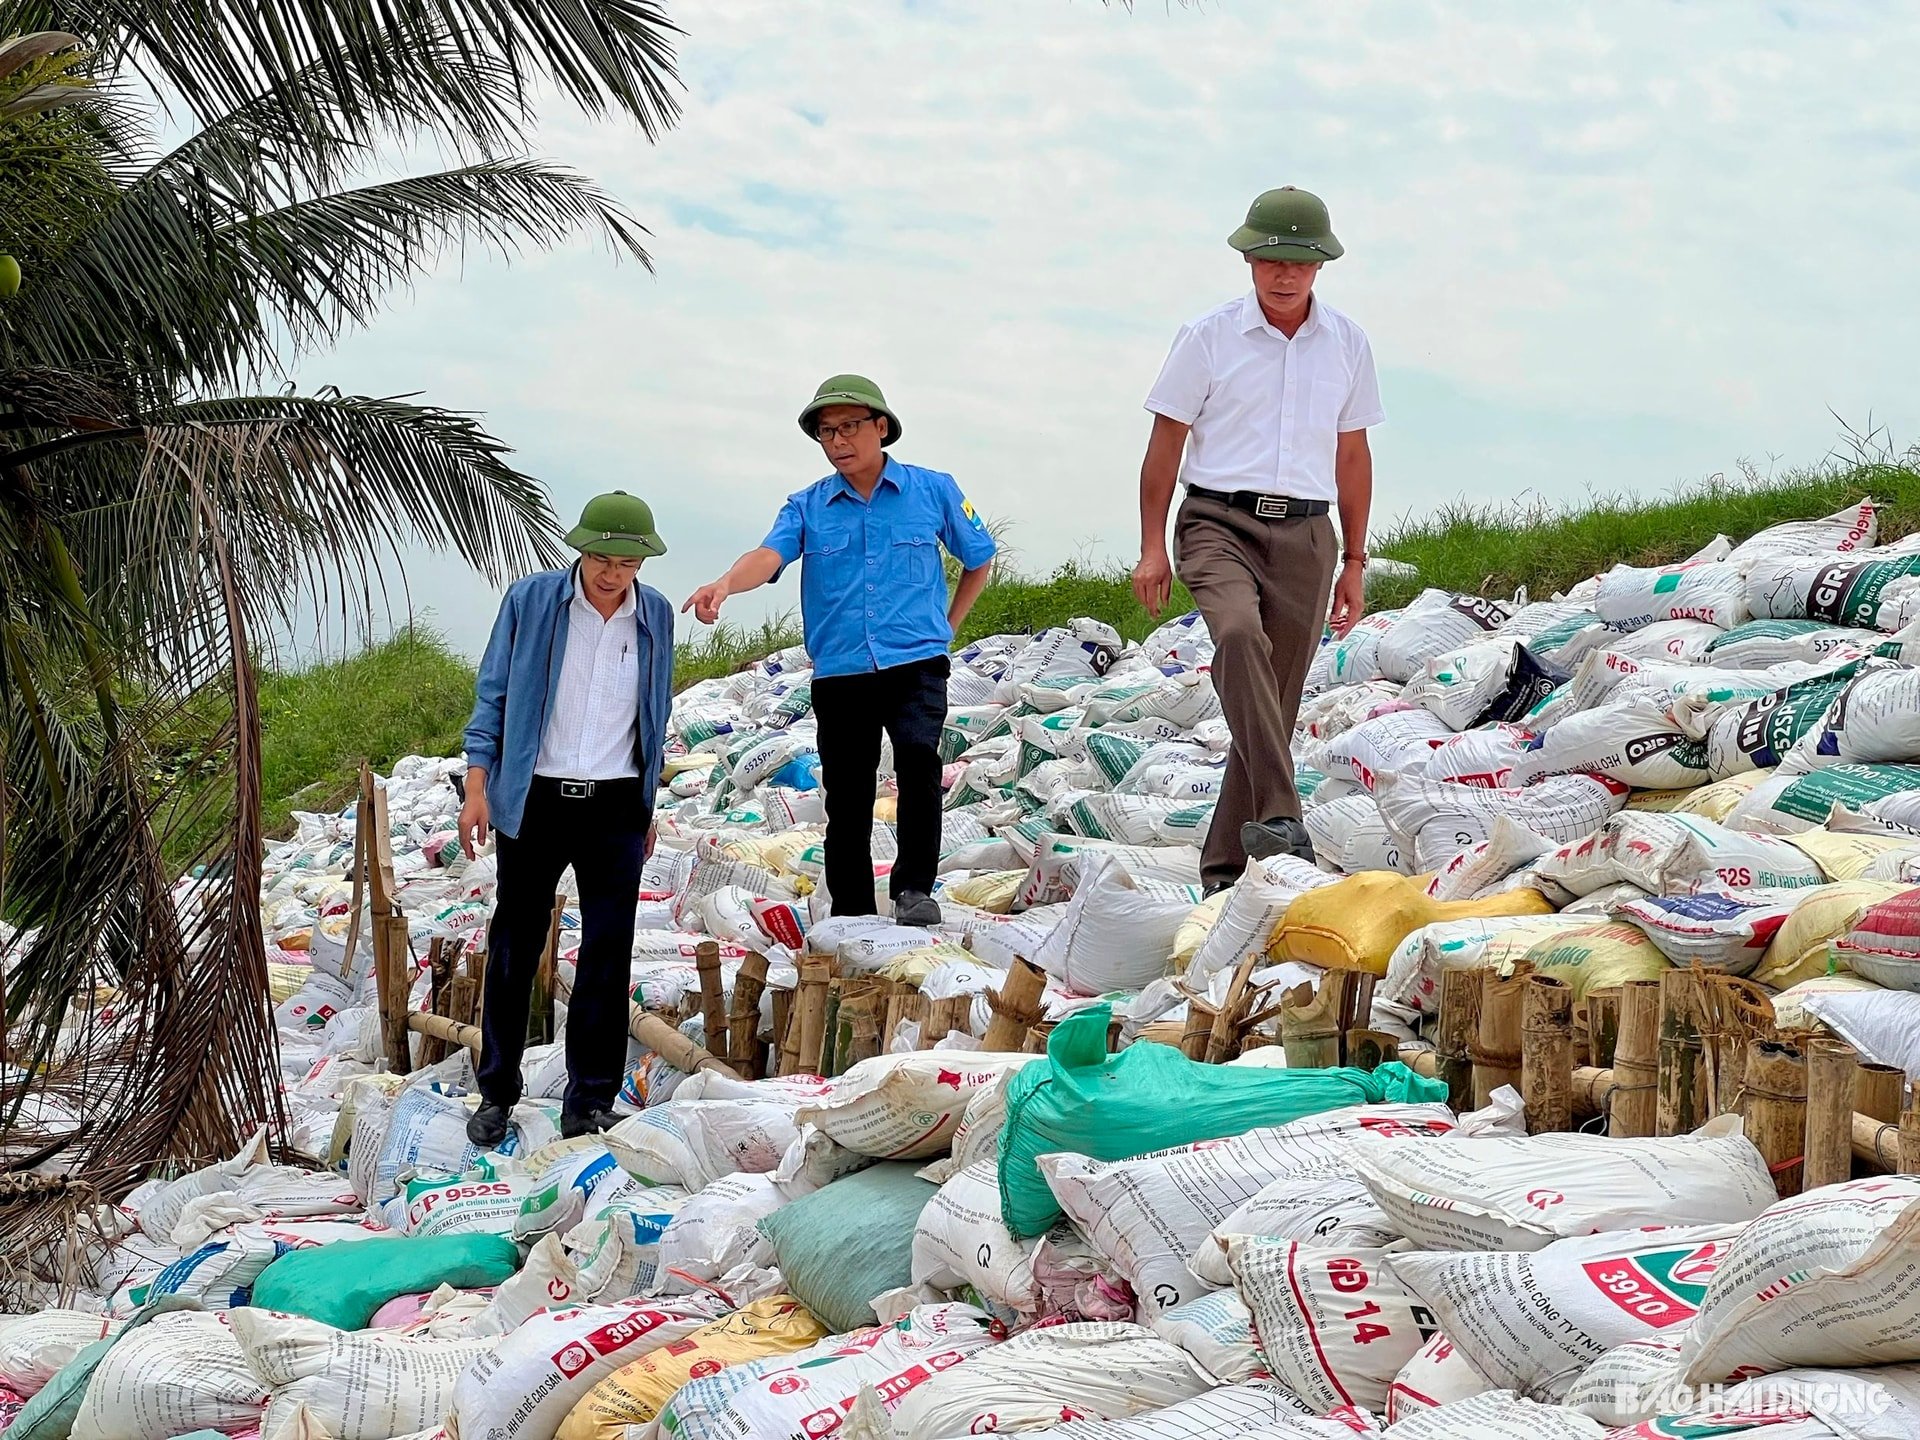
[(520, 674)]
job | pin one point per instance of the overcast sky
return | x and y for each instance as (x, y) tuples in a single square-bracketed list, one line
[(1598, 247)]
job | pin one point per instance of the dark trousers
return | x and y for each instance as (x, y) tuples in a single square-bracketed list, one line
[(603, 836), (1262, 586), (909, 703)]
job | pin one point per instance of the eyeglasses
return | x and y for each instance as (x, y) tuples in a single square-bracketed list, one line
[(846, 429)]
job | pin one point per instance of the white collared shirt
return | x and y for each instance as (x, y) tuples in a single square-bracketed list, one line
[(1267, 411), (590, 732)]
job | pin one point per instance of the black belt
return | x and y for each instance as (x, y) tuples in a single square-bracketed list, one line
[(1267, 507), (585, 789)]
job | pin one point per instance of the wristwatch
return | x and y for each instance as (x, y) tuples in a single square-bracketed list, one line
[(1349, 557)]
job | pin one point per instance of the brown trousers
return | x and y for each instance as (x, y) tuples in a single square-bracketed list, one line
[(1262, 587)]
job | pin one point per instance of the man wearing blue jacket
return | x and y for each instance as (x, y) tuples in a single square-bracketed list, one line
[(563, 759)]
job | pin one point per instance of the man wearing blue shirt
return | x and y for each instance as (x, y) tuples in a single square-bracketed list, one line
[(873, 596), (563, 758)]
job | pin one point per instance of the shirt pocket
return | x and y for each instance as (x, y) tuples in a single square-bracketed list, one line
[(916, 558), (827, 553), (1325, 402)]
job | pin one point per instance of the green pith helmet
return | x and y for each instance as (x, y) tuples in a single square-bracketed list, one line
[(849, 390), (617, 524), (1287, 224)]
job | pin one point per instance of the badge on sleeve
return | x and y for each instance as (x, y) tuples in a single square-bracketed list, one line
[(966, 508)]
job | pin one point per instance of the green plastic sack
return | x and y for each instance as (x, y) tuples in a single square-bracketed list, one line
[(1151, 1097), (343, 1285), (850, 1241), (49, 1414)]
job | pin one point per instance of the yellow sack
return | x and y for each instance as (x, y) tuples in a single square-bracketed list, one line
[(1789, 1010), (886, 809), (1798, 950), (673, 765), (913, 966), (284, 981), (635, 1394), (1847, 857), (1598, 957), (1660, 801), (1716, 801), (1193, 930), (1356, 923), (772, 852), (991, 890)]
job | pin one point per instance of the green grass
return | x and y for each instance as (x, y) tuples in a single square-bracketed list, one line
[(412, 695)]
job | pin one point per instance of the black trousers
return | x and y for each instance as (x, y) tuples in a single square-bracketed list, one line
[(603, 836), (908, 703)]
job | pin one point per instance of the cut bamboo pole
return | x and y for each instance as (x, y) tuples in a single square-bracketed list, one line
[(1633, 1101), (1603, 1028), (1199, 1027), (433, 1048), (673, 1047), (743, 1024), (1592, 1091), (1459, 1022), (810, 1020), (1017, 1008), (713, 1000), (540, 1011), (444, 1032), (1876, 1144), (830, 1027), (1910, 1136), (1546, 1065), (1879, 1091), (1496, 1051), (782, 1020), (913, 1007), (1223, 1042), (1370, 1049), (1310, 1025), (1679, 1110), (860, 1026), (1774, 1104), (1829, 1135), (946, 1016)]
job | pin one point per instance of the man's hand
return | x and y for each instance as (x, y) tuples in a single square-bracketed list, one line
[(705, 602), (646, 846), (475, 819), (1349, 599), (1153, 580)]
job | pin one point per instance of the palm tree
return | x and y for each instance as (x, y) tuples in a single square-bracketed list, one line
[(165, 501)]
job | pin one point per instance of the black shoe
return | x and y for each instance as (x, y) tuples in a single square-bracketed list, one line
[(1215, 888), (586, 1122), (1263, 839), (914, 907), (488, 1125)]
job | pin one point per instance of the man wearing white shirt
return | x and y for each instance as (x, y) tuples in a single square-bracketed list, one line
[(1268, 399), (563, 758)]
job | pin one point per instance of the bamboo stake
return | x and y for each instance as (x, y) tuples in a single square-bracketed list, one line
[(1496, 1052), (1370, 1049), (444, 1032), (1459, 1021), (673, 1047), (830, 1027), (1310, 1024), (1546, 1064), (1592, 1091), (1775, 1107), (1879, 1091), (433, 1049), (809, 1025), (540, 1012), (782, 1022), (1603, 1027), (1910, 1136), (1829, 1134), (1198, 1029), (946, 1016), (1876, 1144), (713, 1001), (914, 1007), (1017, 1008), (743, 1025), (860, 1026), (1223, 1041), (1633, 1103), (1679, 1110)]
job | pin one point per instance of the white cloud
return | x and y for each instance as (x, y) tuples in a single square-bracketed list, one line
[(1596, 247)]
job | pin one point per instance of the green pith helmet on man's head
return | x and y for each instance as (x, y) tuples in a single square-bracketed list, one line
[(1287, 224), (617, 524), (849, 390)]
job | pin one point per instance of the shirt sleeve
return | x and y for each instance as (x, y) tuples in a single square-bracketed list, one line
[(961, 529), (789, 528), (1184, 379), (487, 726), (1363, 396)]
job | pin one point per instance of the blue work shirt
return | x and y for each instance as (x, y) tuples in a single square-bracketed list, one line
[(521, 671), (873, 592)]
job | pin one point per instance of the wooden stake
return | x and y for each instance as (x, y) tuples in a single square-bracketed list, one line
[(946, 1016), (1879, 1091), (830, 1027), (1829, 1134), (1603, 1027), (1310, 1024), (1370, 1049), (1017, 1008), (1730, 1012), (1592, 1088), (1496, 1052), (433, 1049), (1876, 1144), (392, 955), (1546, 1065), (1459, 1022), (782, 1022), (1633, 1103), (1774, 1104), (810, 1019), (441, 1031), (713, 1000), (540, 1013), (915, 1007), (1223, 1042), (743, 1025), (673, 1047), (860, 1026), (1679, 1110), (1199, 1028), (1910, 1136)]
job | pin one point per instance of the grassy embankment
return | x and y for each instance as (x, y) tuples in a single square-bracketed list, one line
[(411, 695)]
